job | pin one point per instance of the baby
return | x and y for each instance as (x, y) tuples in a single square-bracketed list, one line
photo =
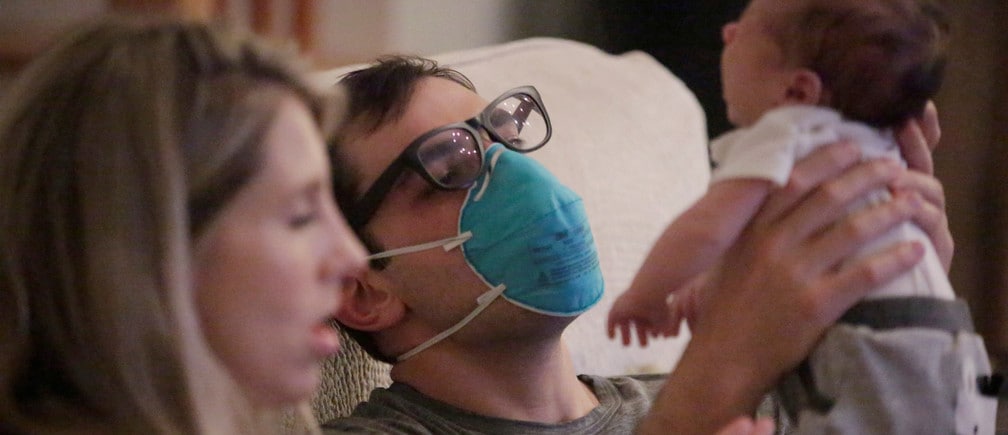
[(798, 74)]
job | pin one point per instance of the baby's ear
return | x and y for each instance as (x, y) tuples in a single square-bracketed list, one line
[(368, 305), (805, 87)]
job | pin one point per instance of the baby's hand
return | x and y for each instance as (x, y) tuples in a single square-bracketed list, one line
[(649, 314), (682, 306)]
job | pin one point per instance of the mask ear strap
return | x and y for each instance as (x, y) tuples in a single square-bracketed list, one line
[(497, 150), (448, 244), (483, 301)]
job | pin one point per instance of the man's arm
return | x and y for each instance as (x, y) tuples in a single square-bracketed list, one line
[(785, 278), (721, 376)]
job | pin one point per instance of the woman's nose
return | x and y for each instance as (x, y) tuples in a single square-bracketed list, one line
[(347, 257), (728, 32)]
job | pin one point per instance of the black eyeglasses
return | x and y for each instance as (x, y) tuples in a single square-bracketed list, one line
[(451, 157)]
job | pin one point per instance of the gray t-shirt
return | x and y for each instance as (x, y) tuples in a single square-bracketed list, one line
[(400, 409)]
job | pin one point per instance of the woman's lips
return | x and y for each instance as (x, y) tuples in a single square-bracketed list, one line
[(325, 339)]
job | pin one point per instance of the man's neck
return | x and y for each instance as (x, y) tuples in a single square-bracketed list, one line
[(534, 383)]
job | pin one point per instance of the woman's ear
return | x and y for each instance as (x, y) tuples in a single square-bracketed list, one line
[(368, 305), (805, 87)]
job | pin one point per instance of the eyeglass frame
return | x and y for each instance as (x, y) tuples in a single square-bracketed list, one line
[(363, 209)]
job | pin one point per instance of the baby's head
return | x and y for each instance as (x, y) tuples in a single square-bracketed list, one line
[(875, 61)]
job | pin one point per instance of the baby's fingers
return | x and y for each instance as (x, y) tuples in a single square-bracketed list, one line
[(610, 328), (625, 334), (624, 330), (676, 319), (642, 334), (615, 320)]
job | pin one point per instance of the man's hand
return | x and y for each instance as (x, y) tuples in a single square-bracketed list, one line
[(917, 139), (788, 277), (747, 426)]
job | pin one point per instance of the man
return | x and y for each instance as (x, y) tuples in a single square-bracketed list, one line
[(475, 348)]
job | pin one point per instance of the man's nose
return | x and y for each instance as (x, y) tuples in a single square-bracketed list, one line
[(728, 32)]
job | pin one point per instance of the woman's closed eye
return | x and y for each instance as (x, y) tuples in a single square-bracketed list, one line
[(303, 218), (306, 208)]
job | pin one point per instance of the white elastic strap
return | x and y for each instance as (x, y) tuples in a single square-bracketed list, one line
[(486, 177), (483, 301), (448, 244)]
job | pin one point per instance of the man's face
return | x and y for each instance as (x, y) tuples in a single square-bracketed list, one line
[(438, 286), (434, 213)]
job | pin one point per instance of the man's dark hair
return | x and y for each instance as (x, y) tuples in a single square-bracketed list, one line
[(879, 61), (377, 95)]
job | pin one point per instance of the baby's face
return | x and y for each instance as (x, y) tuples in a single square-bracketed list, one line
[(754, 75)]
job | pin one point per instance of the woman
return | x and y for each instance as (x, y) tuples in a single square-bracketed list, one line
[(170, 252)]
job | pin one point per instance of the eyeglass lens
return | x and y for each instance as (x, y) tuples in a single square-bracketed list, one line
[(519, 121), (451, 158)]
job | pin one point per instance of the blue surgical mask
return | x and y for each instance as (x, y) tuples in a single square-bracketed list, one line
[(527, 236)]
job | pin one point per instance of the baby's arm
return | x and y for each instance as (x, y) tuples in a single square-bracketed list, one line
[(688, 246)]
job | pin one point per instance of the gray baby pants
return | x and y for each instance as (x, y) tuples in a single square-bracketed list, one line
[(894, 366)]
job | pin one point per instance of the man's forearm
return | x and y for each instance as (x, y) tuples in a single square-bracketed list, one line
[(705, 392)]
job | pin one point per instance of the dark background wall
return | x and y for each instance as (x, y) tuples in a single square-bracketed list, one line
[(683, 35)]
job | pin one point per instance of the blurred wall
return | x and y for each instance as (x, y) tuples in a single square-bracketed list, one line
[(973, 163)]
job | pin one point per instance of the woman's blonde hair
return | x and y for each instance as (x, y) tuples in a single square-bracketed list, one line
[(117, 147)]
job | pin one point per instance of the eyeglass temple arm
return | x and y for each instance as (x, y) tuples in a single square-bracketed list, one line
[(523, 111), (365, 207)]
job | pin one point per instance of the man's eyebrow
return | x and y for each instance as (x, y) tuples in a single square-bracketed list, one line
[(497, 113)]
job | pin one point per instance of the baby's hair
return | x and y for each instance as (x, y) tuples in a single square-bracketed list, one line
[(879, 61)]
